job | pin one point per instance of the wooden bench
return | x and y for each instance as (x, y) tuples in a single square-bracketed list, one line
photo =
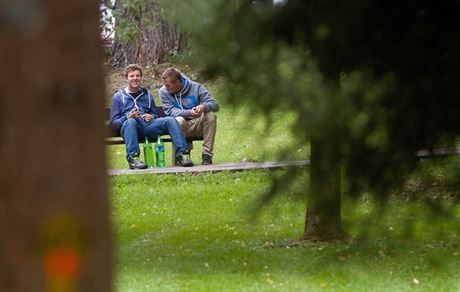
[(113, 136)]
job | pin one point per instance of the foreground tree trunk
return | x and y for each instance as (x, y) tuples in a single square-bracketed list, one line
[(323, 218), (54, 227)]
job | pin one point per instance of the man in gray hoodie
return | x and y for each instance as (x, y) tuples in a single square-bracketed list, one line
[(192, 106)]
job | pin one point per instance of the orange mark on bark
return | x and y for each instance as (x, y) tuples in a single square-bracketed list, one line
[(62, 263)]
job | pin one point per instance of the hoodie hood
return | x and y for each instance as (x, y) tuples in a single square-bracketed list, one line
[(186, 84), (184, 99)]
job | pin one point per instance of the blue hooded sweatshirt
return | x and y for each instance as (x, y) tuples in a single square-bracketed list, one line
[(192, 94), (123, 103)]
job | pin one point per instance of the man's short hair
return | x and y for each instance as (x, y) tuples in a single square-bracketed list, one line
[(172, 74), (130, 68)]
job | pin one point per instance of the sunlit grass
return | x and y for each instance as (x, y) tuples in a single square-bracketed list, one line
[(195, 233)]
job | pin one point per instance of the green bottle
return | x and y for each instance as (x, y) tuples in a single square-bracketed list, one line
[(148, 153), (160, 152)]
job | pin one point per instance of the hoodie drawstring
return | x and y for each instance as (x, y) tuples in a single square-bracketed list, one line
[(134, 99), (179, 102)]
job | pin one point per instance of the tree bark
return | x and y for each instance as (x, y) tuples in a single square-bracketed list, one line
[(323, 218), (54, 219)]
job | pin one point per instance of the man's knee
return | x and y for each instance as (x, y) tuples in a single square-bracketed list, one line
[(211, 117), (129, 128), (129, 124), (181, 121), (171, 122)]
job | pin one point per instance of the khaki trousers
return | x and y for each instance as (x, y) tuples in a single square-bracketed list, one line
[(205, 126)]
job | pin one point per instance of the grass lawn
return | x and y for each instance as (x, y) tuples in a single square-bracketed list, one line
[(198, 233)]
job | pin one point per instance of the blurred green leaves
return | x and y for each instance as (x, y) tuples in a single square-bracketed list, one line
[(370, 82), (380, 73)]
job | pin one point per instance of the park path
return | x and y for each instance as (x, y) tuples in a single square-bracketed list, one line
[(213, 167), (258, 165)]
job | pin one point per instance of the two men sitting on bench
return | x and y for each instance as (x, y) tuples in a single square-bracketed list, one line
[(133, 112)]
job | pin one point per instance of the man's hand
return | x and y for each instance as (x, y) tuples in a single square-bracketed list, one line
[(197, 111), (134, 113), (147, 117)]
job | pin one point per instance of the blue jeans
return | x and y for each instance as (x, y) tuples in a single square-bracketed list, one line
[(137, 129)]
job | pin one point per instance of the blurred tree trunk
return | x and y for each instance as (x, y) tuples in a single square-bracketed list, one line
[(143, 36), (54, 223), (323, 218)]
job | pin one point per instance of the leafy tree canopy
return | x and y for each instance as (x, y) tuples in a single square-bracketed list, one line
[(380, 78)]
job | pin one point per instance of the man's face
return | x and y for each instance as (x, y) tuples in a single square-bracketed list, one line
[(172, 86), (134, 80)]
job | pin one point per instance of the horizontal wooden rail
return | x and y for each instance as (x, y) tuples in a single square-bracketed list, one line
[(438, 152)]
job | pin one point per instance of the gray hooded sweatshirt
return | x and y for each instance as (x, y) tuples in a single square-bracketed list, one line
[(192, 94)]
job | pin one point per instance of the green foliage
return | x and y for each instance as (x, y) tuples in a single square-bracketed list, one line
[(132, 16), (126, 30), (377, 77)]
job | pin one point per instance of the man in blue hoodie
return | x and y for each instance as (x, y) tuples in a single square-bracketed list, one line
[(134, 114), (192, 106)]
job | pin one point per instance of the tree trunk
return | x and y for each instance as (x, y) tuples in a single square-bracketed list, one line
[(54, 219), (323, 218)]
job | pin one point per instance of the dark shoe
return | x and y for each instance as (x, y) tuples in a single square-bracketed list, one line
[(206, 159), (135, 163), (183, 160)]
